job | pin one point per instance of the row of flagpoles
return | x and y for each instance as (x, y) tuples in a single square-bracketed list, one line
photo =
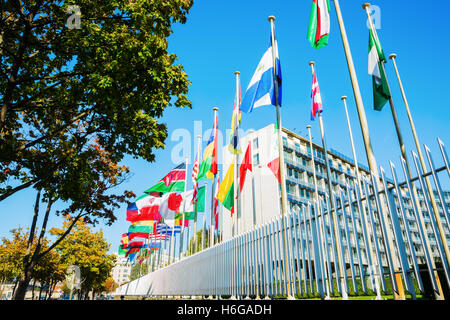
[(177, 210)]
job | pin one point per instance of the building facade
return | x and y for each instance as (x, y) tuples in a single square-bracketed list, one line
[(121, 270), (260, 197)]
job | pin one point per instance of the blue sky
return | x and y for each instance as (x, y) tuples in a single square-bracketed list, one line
[(221, 37)]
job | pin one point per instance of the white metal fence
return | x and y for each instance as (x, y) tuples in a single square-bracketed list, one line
[(256, 264)]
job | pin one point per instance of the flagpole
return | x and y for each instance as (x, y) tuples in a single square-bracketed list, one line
[(236, 156), (214, 239), (211, 236), (280, 150), (204, 220), (316, 193), (194, 236), (439, 295), (340, 258), (366, 7), (366, 138), (182, 219), (253, 181), (358, 177)]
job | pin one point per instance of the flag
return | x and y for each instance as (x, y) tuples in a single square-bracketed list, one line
[(141, 235), (319, 24), (124, 238), (173, 181), (179, 222), (316, 97), (144, 209), (158, 237), (187, 215), (216, 201), (381, 93), (121, 251), (245, 165), (234, 146), (208, 167), (274, 158), (261, 89), (170, 203), (187, 206), (136, 243), (195, 169), (131, 254), (225, 194), (145, 226), (166, 229)]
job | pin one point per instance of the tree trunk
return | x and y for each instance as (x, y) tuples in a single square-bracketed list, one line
[(22, 285), (30, 262), (32, 290), (40, 291)]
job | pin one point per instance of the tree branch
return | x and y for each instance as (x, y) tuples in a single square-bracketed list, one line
[(80, 215)]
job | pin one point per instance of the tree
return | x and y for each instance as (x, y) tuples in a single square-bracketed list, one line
[(62, 89), (202, 240), (11, 255), (84, 184), (110, 285), (48, 271), (89, 251), (114, 72)]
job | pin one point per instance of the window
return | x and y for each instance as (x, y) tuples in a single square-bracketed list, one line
[(285, 142), (255, 144), (256, 159)]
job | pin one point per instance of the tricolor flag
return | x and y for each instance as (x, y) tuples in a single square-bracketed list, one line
[(173, 181), (187, 205), (316, 97), (179, 222), (381, 93), (274, 157), (225, 193), (145, 226), (319, 24), (208, 167), (234, 146), (245, 165), (261, 89)]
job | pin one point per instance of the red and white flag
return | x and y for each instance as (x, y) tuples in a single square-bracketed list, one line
[(245, 165), (274, 159), (316, 98), (195, 170)]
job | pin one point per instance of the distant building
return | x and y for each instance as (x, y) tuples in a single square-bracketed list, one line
[(121, 270)]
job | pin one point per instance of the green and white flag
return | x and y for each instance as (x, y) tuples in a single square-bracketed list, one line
[(319, 24), (381, 93)]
